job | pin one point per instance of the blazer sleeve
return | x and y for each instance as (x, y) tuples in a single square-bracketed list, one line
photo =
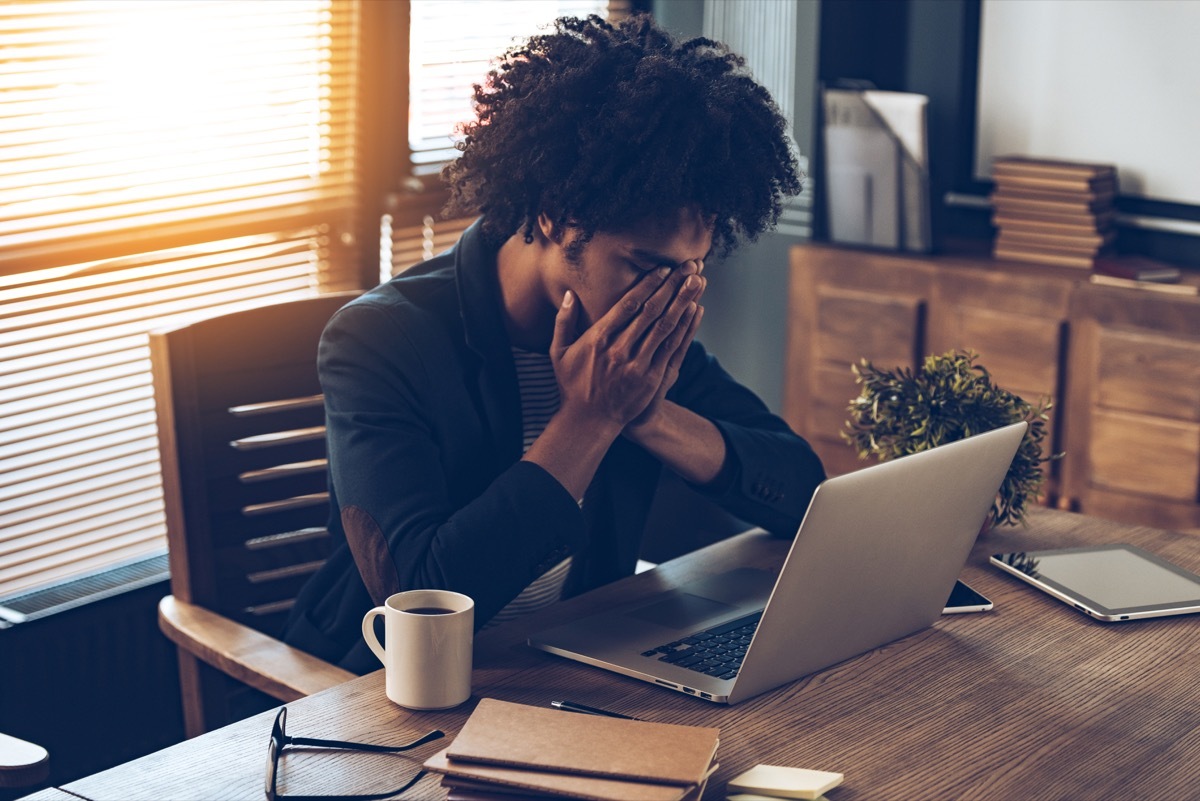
[(386, 459), (770, 472)]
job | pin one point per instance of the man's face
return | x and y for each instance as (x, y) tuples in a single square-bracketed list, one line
[(613, 262)]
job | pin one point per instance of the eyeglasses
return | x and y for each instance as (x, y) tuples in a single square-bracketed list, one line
[(280, 740)]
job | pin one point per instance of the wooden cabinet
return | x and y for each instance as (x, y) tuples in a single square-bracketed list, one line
[(870, 307), (1121, 366), (1133, 415)]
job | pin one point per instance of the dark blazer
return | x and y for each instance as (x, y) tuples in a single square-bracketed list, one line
[(424, 433)]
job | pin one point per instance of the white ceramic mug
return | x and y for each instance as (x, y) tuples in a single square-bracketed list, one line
[(429, 636)]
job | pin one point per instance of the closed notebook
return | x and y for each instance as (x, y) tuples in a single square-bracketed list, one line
[(477, 777), (456, 792), (517, 735)]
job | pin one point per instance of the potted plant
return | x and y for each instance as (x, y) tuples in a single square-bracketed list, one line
[(951, 397)]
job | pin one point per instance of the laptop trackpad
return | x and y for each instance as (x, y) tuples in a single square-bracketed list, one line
[(680, 610)]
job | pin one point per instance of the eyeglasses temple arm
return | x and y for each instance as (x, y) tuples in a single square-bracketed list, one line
[(420, 775), (433, 735)]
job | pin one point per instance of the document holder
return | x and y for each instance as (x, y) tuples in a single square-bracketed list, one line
[(877, 168)]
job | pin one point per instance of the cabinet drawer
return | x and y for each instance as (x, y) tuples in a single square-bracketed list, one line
[(1020, 352), (861, 325), (834, 391), (1149, 374), (1146, 455)]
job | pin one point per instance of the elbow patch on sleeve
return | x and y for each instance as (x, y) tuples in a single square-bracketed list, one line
[(371, 553)]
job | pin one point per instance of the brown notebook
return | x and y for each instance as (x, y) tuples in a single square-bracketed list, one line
[(477, 777), (517, 735)]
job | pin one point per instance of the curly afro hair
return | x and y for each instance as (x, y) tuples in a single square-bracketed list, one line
[(603, 127)]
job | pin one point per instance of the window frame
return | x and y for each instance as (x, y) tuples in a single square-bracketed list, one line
[(386, 184)]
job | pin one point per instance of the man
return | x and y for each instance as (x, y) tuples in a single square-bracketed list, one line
[(498, 416)]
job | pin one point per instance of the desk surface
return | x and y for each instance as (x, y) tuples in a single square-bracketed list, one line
[(1032, 700)]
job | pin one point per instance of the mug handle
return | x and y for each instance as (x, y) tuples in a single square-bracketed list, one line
[(368, 629)]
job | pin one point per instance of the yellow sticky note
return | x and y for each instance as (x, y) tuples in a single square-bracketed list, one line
[(757, 797), (774, 781)]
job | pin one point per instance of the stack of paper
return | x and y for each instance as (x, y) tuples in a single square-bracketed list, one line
[(508, 752), (1053, 212)]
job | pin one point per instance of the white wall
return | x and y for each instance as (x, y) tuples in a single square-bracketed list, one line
[(1092, 80)]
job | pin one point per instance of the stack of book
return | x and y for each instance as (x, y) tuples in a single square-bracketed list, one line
[(509, 752), (1053, 212)]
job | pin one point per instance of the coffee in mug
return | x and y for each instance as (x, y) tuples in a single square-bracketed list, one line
[(426, 654)]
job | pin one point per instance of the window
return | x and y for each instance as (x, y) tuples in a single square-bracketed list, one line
[(160, 160), (452, 45), (179, 157)]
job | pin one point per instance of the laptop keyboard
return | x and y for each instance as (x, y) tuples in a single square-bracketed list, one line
[(714, 652)]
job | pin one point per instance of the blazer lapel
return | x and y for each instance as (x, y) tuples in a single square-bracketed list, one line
[(483, 324)]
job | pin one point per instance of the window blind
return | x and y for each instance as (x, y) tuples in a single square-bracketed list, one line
[(170, 159), (412, 244), (452, 45), (158, 161)]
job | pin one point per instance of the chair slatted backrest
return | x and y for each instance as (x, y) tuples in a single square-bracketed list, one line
[(241, 429)]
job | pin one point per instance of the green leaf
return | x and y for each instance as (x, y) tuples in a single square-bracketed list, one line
[(950, 397)]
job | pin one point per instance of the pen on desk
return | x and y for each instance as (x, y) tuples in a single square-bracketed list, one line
[(571, 706)]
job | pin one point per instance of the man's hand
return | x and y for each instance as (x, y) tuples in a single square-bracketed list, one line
[(676, 346), (615, 370)]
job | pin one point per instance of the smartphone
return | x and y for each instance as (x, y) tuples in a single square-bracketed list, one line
[(964, 599)]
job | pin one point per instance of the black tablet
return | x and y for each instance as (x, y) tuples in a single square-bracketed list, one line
[(1108, 582)]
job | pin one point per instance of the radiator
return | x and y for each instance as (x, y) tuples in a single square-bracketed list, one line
[(85, 672)]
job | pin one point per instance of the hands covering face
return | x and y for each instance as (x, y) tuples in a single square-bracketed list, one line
[(619, 369)]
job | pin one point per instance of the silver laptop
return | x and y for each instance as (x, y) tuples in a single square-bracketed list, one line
[(873, 561)]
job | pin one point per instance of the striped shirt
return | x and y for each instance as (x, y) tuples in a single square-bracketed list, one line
[(539, 402)]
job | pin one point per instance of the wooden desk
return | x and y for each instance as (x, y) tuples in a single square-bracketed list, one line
[(1030, 701)]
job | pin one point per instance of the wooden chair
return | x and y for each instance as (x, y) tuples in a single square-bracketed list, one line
[(242, 440), (22, 765)]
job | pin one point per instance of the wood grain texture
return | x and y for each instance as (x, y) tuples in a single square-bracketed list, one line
[(1122, 366), (847, 306), (1147, 373), (53, 794), (1133, 422), (843, 339), (1030, 701), (1152, 456), (1020, 351), (243, 653), (245, 526)]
